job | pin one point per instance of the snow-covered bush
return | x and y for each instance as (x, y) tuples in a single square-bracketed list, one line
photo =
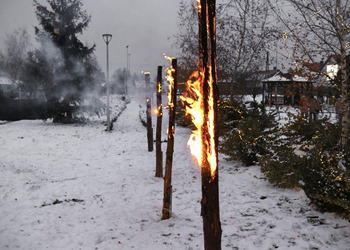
[(306, 155), (246, 139)]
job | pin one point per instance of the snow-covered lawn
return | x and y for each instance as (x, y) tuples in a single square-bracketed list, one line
[(78, 187)]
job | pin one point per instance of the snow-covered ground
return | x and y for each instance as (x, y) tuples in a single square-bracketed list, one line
[(78, 187)]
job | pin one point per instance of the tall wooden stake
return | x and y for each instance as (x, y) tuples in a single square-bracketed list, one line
[(167, 201), (210, 184), (149, 113), (159, 152)]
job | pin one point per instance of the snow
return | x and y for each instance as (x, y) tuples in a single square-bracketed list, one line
[(277, 78), (76, 186), (5, 81), (297, 78)]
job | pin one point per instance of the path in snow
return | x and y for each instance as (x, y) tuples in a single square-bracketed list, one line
[(79, 187)]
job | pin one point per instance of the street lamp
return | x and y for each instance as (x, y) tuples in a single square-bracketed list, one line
[(127, 70), (107, 38)]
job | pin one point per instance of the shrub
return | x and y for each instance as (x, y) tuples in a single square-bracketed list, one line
[(246, 140), (229, 115), (282, 166), (306, 155), (327, 185)]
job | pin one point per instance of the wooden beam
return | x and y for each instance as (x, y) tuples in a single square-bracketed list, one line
[(159, 152), (167, 201), (210, 210), (149, 112)]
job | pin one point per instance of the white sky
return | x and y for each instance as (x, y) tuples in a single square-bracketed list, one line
[(144, 25)]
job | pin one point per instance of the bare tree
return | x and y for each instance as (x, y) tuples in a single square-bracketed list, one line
[(187, 40), (243, 29), (16, 48), (317, 29)]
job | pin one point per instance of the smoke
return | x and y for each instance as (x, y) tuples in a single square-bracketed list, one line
[(64, 75), (63, 81)]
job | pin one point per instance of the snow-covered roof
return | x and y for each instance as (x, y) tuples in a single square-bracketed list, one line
[(277, 78), (300, 79), (5, 81)]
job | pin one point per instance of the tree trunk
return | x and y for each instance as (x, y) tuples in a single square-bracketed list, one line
[(149, 113), (210, 210), (159, 152), (344, 81), (167, 201)]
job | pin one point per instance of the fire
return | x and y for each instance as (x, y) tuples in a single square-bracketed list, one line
[(170, 79), (158, 109), (199, 5), (159, 88), (196, 110)]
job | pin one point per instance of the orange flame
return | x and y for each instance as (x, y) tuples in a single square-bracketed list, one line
[(196, 110), (159, 88), (199, 6), (170, 79)]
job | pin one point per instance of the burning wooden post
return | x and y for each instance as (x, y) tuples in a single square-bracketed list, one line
[(167, 201), (210, 180), (202, 105), (149, 112), (159, 152)]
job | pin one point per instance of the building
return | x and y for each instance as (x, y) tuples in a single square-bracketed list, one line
[(285, 89)]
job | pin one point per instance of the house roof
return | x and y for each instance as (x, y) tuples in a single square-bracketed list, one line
[(315, 67), (318, 66), (267, 73), (277, 77), (333, 59), (300, 79), (280, 77)]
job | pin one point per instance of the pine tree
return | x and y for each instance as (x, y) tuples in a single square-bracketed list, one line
[(68, 64)]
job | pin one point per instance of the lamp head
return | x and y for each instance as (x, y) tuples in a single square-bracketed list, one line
[(107, 37)]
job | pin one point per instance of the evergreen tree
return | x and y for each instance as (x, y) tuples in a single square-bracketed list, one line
[(65, 66)]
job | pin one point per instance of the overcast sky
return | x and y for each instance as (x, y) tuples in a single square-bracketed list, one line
[(147, 26)]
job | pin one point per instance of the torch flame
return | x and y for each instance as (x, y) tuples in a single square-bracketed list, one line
[(196, 110), (198, 5), (170, 79), (212, 154)]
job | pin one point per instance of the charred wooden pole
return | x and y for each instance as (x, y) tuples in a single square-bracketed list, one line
[(167, 200), (149, 113), (159, 152), (210, 210)]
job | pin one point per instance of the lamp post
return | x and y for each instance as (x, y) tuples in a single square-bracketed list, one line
[(127, 71), (107, 38)]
